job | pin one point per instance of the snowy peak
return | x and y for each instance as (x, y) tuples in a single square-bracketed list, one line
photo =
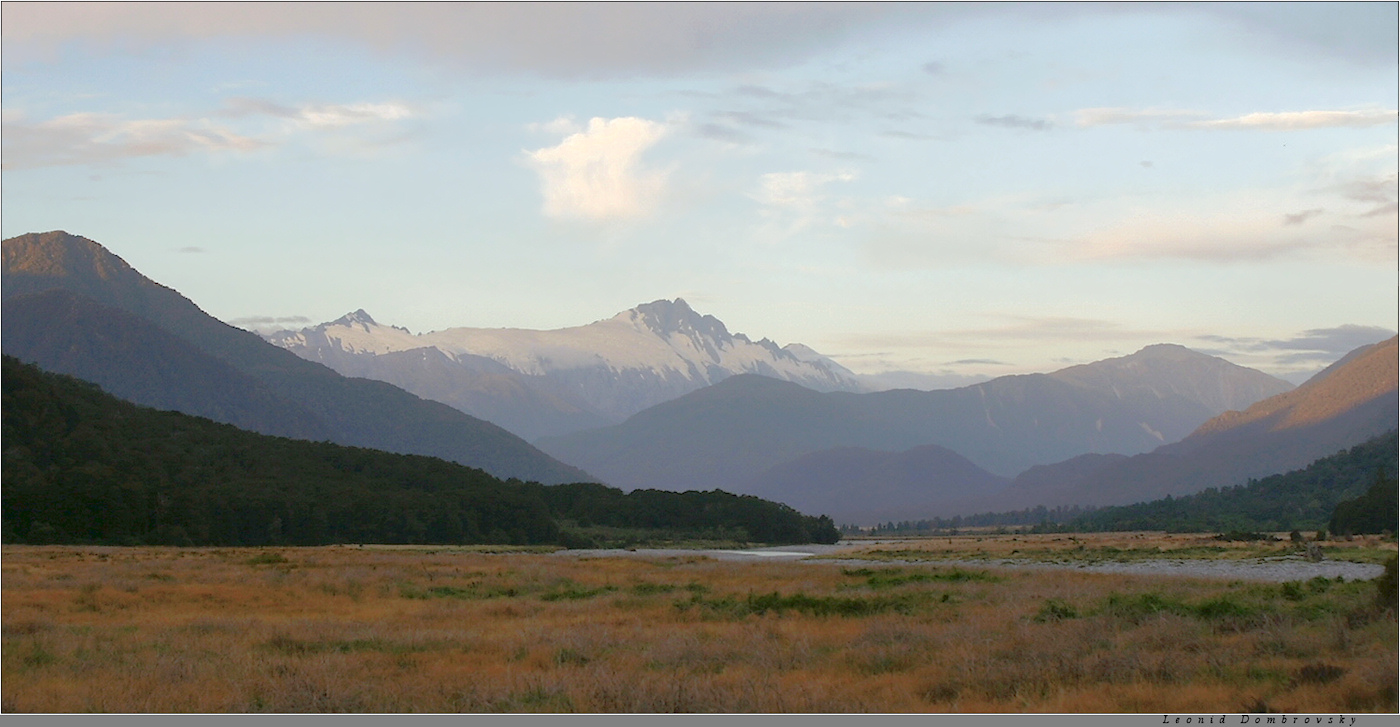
[(668, 317), (353, 333), (640, 357), (802, 352)]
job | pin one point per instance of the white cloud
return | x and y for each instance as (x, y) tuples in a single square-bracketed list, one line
[(1295, 120), (335, 116), (597, 173), (1143, 117), (1261, 121)]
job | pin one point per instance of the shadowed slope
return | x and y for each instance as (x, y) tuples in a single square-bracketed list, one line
[(858, 485), (353, 411)]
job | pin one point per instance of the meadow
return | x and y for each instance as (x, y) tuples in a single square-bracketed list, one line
[(457, 629)]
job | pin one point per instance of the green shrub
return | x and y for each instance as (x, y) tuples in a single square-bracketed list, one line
[(1055, 610)]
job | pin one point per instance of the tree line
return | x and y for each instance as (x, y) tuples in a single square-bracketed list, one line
[(81, 466)]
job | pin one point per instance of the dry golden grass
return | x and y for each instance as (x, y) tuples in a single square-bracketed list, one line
[(342, 629)]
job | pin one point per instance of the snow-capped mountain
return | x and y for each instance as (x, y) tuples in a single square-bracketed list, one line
[(609, 369)]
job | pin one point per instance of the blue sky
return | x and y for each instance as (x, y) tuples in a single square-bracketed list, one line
[(958, 189)]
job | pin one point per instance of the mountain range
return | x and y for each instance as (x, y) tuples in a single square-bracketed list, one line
[(546, 383), (73, 307), (1348, 403), (729, 433), (1345, 404), (661, 396)]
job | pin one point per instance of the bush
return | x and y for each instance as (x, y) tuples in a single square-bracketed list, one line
[(1387, 587)]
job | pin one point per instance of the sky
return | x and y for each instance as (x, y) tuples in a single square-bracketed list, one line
[(961, 190)]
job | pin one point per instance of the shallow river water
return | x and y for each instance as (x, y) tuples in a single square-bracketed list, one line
[(1278, 570)]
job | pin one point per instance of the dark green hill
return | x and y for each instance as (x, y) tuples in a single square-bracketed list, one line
[(1303, 499), (1373, 512), (81, 466)]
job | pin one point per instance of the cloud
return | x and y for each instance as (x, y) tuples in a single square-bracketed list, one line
[(94, 138), (1212, 237), (319, 116), (978, 362), (562, 40), (722, 133), (746, 118), (910, 135), (1260, 121), (1012, 121), (1298, 218), (574, 40), (562, 126), (823, 100), (190, 249), (1297, 120), (1008, 331), (336, 116), (796, 190), (97, 138), (1380, 190), (1308, 350), (597, 174), (1106, 116), (268, 323)]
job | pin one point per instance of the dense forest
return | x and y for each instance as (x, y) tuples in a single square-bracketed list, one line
[(1303, 499), (1373, 512), (81, 466)]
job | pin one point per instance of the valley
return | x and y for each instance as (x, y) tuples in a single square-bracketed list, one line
[(749, 359)]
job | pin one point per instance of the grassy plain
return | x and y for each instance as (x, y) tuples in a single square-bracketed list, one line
[(346, 629)]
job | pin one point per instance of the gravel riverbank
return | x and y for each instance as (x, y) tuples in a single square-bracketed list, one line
[(1276, 570)]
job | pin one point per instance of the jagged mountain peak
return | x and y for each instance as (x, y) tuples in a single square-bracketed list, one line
[(358, 318), (610, 369), (666, 317)]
